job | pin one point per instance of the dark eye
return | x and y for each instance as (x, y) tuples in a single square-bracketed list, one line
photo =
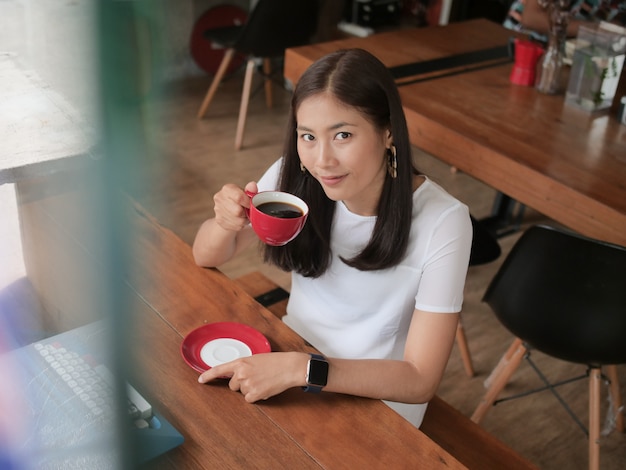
[(342, 135), (307, 137)]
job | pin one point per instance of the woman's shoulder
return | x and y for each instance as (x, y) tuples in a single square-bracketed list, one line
[(431, 203), (430, 193)]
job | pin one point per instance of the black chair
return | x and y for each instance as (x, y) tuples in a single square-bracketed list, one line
[(272, 27), (564, 295), (485, 246)]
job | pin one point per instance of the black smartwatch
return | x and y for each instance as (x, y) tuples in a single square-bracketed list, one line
[(316, 374)]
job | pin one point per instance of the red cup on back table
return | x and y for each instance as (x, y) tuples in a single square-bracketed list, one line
[(276, 217), (527, 53)]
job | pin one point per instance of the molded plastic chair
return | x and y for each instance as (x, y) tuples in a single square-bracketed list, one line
[(272, 27), (564, 295), (485, 246)]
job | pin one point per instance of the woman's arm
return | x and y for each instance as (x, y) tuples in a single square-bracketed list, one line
[(412, 380), (416, 378), (221, 238), (535, 18)]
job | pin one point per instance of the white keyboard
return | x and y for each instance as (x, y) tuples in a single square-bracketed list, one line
[(70, 410), (93, 384)]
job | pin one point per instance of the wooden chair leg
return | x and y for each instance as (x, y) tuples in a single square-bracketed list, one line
[(499, 378), (228, 57), (595, 380), (616, 397), (243, 108), (503, 362), (267, 70), (461, 341)]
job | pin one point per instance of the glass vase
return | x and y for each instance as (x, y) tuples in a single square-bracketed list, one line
[(549, 79)]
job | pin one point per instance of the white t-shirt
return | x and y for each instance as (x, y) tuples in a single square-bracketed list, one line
[(352, 314)]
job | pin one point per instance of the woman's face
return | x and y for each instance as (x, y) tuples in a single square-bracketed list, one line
[(343, 151)]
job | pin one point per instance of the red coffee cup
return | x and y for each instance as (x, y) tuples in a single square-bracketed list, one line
[(276, 217)]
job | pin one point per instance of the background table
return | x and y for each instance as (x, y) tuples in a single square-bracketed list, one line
[(563, 162)]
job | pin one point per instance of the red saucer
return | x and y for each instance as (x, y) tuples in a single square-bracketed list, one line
[(221, 342)]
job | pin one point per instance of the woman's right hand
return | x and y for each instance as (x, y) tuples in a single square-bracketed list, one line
[(231, 203), (223, 236)]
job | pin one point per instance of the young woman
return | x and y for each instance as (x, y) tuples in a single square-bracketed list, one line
[(379, 269)]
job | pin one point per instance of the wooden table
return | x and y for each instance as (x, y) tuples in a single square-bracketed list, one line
[(292, 430), (561, 161)]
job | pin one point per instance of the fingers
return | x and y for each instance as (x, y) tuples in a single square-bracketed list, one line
[(236, 385), (238, 371), (218, 372), (251, 187), (230, 205), (250, 393)]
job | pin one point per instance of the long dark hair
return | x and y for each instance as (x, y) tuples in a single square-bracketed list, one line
[(358, 79)]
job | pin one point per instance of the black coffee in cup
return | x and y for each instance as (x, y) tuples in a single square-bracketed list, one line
[(282, 210), (276, 217)]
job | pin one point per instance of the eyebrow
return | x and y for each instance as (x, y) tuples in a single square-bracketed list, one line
[(331, 128)]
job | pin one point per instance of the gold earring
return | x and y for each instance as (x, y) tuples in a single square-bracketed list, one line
[(302, 168), (392, 161)]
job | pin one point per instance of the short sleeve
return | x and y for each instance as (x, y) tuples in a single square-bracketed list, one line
[(445, 269), (269, 180)]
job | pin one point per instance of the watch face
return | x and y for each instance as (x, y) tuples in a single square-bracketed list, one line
[(318, 372)]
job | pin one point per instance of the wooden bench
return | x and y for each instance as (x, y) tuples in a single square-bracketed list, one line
[(452, 430), (265, 291), (469, 443)]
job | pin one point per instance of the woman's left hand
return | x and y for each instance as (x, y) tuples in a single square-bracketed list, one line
[(261, 376)]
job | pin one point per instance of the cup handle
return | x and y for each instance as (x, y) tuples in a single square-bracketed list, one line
[(250, 194)]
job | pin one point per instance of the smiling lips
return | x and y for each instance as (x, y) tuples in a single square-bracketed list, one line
[(331, 180)]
